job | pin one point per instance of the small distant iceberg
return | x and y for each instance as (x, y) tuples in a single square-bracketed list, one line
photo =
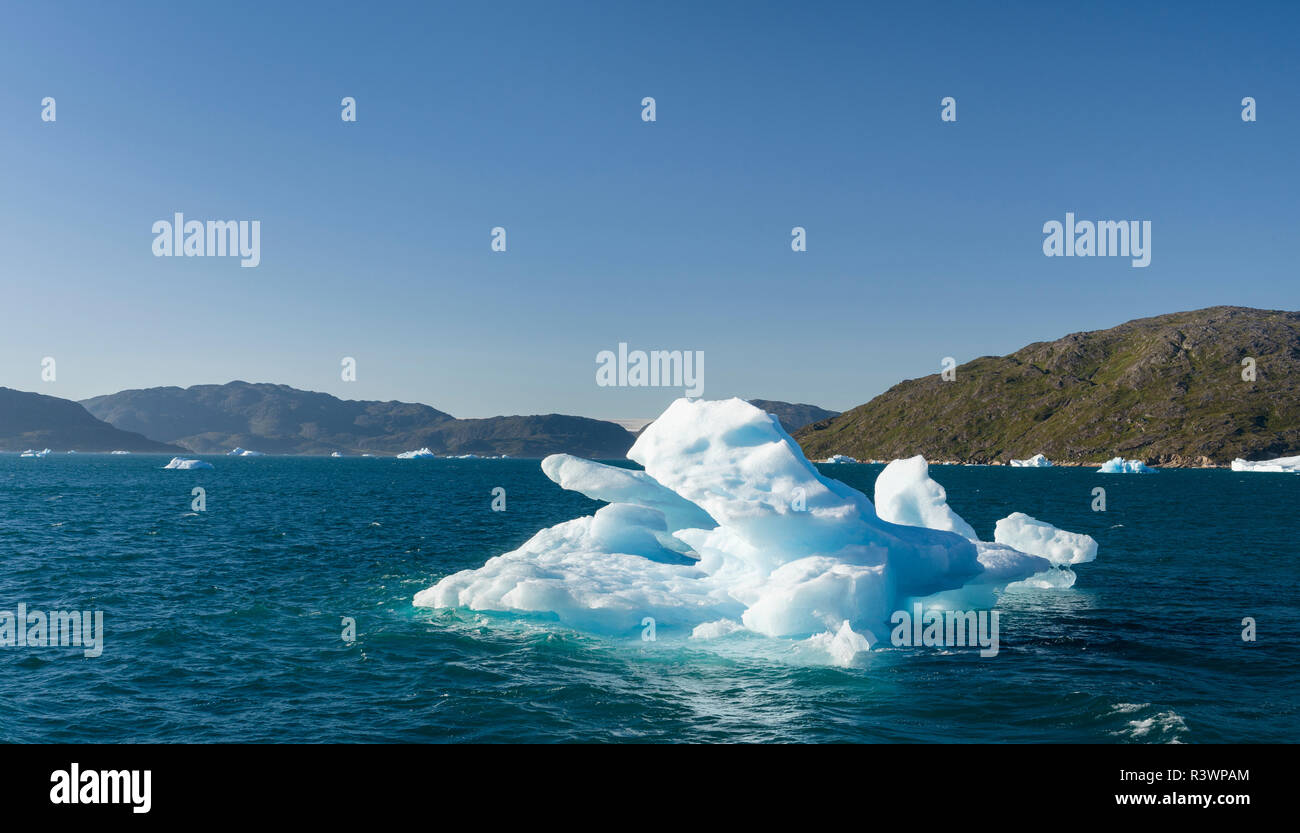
[(183, 463), (1038, 461), (243, 452), (418, 454), (30, 453), (840, 458), (336, 454), (1118, 465), (1283, 465), (119, 452)]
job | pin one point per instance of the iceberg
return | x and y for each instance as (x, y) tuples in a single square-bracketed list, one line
[(30, 453), (183, 463), (412, 455), (840, 458), (1026, 534), (905, 494), (730, 528), (243, 452), (335, 454), (1038, 461), (1277, 465), (119, 452), (1118, 465), (612, 484)]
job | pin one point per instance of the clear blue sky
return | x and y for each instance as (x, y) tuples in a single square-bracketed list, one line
[(924, 238)]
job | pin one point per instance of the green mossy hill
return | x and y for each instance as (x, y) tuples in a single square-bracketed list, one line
[(1168, 390)]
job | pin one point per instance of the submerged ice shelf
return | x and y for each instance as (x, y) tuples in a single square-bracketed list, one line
[(730, 529)]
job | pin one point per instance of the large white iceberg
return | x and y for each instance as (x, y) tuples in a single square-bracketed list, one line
[(1277, 465), (1038, 461), (183, 463), (413, 455), (1118, 465), (729, 528)]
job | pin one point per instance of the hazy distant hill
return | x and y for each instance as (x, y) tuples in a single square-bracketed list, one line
[(1167, 389), (36, 421), (793, 416), (278, 419)]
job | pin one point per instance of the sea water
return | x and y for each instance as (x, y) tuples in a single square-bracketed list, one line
[(232, 623)]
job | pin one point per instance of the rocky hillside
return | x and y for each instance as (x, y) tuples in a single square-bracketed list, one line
[(35, 421), (278, 419), (1167, 390)]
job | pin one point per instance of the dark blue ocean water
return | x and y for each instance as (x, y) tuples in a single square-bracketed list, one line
[(226, 625)]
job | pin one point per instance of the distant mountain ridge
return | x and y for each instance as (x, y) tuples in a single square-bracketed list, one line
[(1168, 390), (278, 419), (791, 415), (37, 421)]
